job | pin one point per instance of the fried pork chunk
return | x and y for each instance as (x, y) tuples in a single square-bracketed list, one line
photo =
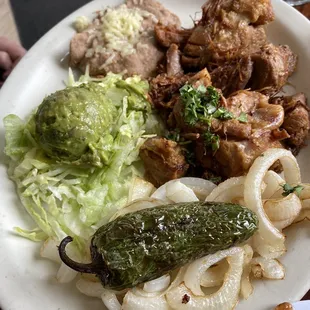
[(296, 120), (163, 160), (277, 122)]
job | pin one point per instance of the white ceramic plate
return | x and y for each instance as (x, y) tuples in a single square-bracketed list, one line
[(26, 281)]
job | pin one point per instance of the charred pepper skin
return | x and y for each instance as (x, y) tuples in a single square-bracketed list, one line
[(146, 244)]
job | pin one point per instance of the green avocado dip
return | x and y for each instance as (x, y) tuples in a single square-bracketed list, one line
[(70, 121), (74, 160)]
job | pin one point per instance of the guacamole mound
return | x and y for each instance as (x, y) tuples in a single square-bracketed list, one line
[(69, 121)]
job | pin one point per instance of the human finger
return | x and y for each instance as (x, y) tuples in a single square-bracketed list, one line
[(13, 49), (5, 61)]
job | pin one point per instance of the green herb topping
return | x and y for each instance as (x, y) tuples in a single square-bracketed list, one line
[(201, 104), (173, 135), (243, 118), (222, 113), (288, 189), (211, 140)]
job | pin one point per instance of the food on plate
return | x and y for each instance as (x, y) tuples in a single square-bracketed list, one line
[(71, 122), (296, 119), (229, 272), (225, 115), (121, 40), (156, 240), (223, 135), (160, 154), (225, 55), (74, 159), (227, 52), (79, 160), (284, 306)]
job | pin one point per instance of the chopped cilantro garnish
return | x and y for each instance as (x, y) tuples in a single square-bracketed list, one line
[(190, 157), (199, 103), (243, 118), (288, 189), (211, 140), (173, 135), (222, 113)]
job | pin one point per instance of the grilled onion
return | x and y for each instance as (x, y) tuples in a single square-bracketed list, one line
[(246, 288), (268, 241), (135, 302), (183, 297), (137, 205), (110, 300), (273, 184), (90, 288), (140, 189), (202, 188), (157, 285), (178, 192), (228, 191), (267, 268), (214, 276), (282, 212)]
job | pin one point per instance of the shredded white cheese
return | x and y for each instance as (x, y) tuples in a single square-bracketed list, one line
[(117, 30), (122, 29), (81, 23)]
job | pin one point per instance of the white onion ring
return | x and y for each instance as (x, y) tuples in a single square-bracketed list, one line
[(267, 268), (273, 182), (110, 300), (137, 205), (305, 202), (224, 299), (49, 250), (65, 274), (178, 192), (90, 288), (157, 285), (268, 241), (304, 215), (305, 193), (214, 276), (135, 302), (177, 281), (246, 288), (201, 187), (140, 189), (228, 190), (195, 271), (283, 209), (280, 225)]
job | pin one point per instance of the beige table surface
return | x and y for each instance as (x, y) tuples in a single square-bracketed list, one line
[(7, 24)]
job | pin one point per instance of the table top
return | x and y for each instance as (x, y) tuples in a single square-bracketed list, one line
[(304, 9)]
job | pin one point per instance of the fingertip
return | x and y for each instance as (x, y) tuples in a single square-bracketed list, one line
[(5, 61)]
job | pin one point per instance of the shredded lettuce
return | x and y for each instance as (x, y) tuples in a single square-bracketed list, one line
[(63, 199)]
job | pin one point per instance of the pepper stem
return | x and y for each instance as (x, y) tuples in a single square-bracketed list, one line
[(80, 267)]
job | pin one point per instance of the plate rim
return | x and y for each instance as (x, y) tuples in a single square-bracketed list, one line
[(64, 22)]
